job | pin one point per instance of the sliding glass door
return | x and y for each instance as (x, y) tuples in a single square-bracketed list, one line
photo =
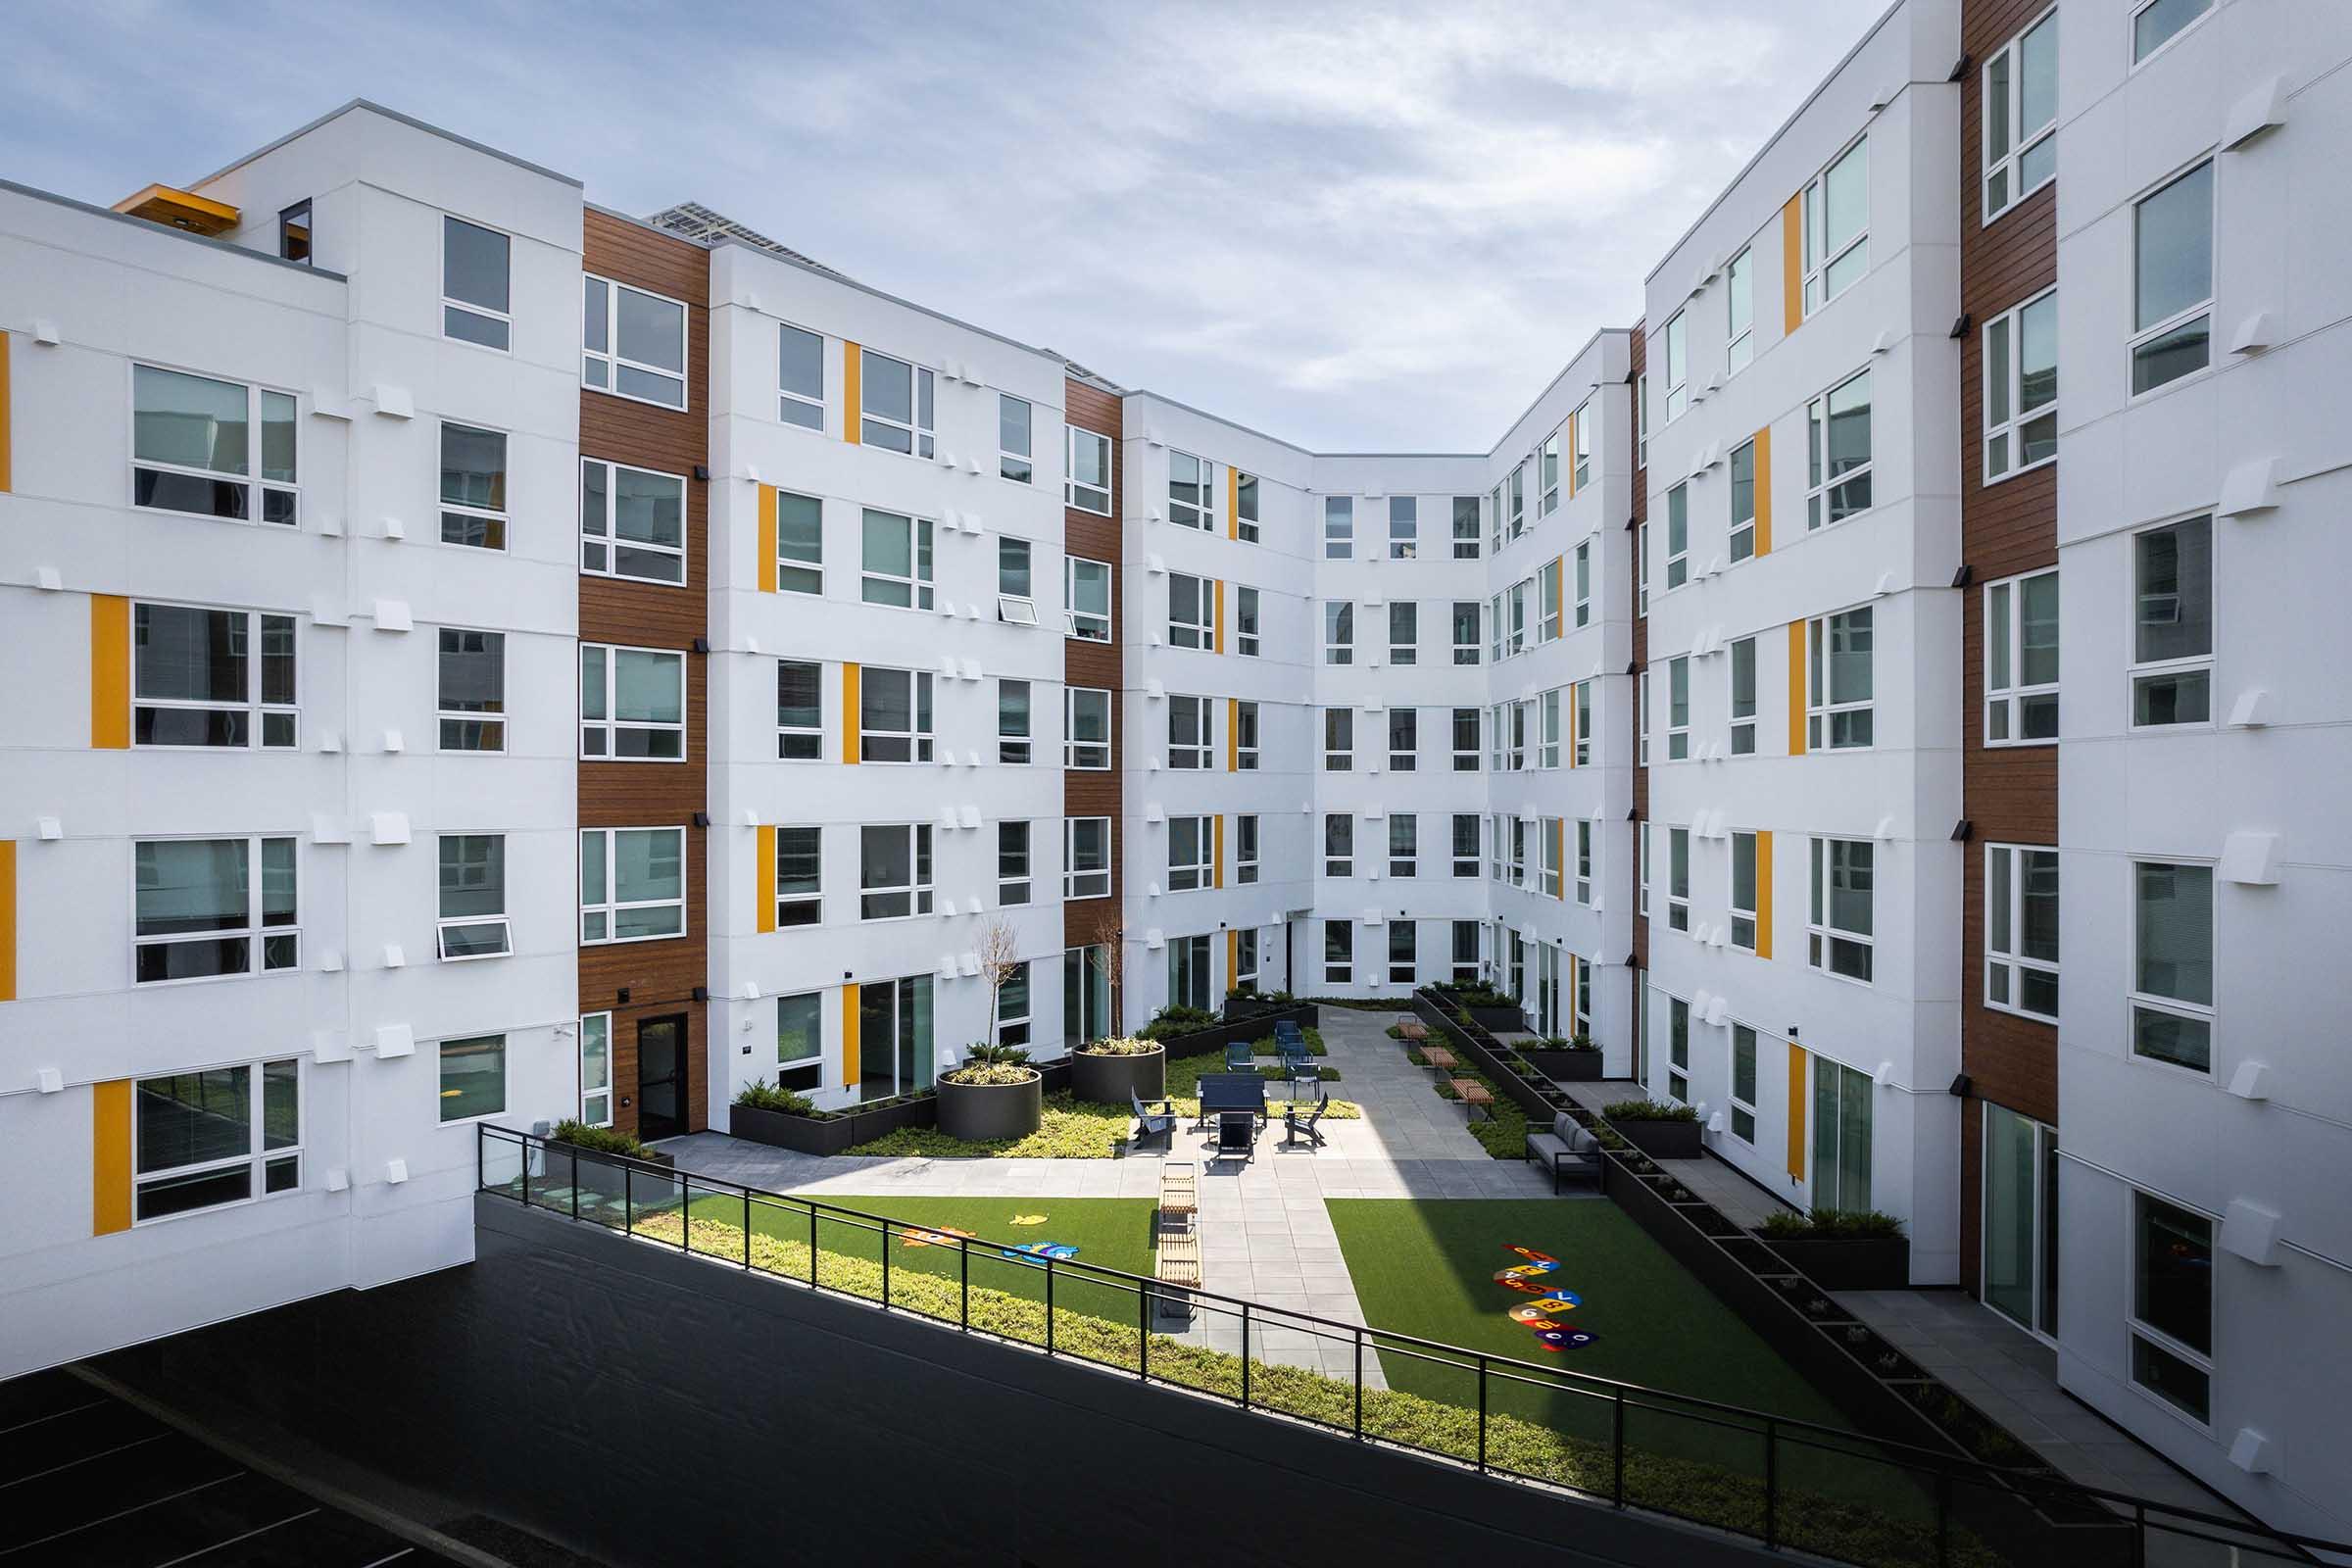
[(2020, 1219), (1841, 1136), (893, 1036)]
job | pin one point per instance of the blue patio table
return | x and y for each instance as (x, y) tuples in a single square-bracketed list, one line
[(1231, 1091)]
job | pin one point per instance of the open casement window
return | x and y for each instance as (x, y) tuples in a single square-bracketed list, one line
[(472, 1075), (1838, 713), (2172, 281), (1836, 248), (632, 884), (801, 1041), (1191, 492), (213, 449), (1742, 535), (1403, 950), (1678, 1050), (1339, 631), (2021, 930), (214, 1136), (1404, 739), (596, 1069), (1839, 922), (472, 922), (1245, 854), (893, 871), (1465, 527), (800, 711), (2172, 1306), (1678, 709), (2021, 117), (1465, 740), (1743, 892), (1405, 527), (1841, 1145), (895, 561), (473, 487), (1339, 952), (475, 264), (1087, 483), (1678, 878), (1191, 852), (1338, 527), (897, 404), (2172, 963), (800, 378), (1013, 865), (1014, 421), (1017, 593), (1086, 858), (633, 522), (1465, 844), (894, 716), (1192, 733), (205, 909), (1086, 594), (1739, 311), (1675, 352), (1744, 697), (1014, 744), (1338, 740), (1405, 844), (1244, 508), (632, 705), (2021, 661), (1192, 612), (1744, 1083), (1246, 625), (800, 876), (2021, 387), (1339, 844), (1465, 631), (1405, 632), (1838, 453), (1245, 737), (1678, 536), (633, 343), (1085, 728), (212, 678), (2172, 631)]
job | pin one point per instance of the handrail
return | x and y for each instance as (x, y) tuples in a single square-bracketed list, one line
[(1942, 1468)]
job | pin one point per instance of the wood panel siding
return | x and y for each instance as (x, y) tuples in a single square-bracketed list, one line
[(657, 978), (1098, 665)]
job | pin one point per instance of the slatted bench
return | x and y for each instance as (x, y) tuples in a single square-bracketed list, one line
[(1179, 1268), (1439, 1058), (1413, 1029), (1179, 1190), (1475, 1095)]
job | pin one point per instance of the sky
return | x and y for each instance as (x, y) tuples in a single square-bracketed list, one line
[(1355, 226)]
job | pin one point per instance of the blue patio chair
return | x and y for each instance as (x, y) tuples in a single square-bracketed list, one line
[(1241, 1056)]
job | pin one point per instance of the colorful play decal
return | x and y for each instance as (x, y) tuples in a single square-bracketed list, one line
[(1564, 1338), (1541, 1315), (1060, 1252), (1028, 1219), (938, 1238)]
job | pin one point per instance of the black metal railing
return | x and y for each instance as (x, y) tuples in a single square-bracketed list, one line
[(1787, 1483)]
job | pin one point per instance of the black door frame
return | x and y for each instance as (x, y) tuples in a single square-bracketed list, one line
[(683, 1077)]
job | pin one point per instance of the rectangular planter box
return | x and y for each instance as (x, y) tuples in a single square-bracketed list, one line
[(1566, 1066), (1662, 1140), (777, 1129), (1850, 1264), (1256, 1026)]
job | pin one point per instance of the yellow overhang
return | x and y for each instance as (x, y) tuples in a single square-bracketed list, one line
[(179, 208)]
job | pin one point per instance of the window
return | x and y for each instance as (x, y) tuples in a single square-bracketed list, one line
[(1744, 1083), (1547, 474), (1012, 864), (1516, 488), (1190, 611), (1678, 878), (1191, 852), (1583, 862), (294, 233), (1586, 416), (1552, 838), (213, 678), (1743, 891), (897, 561), (1338, 740), (896, 399), (596, 1069), (1516, 716), (1405, 844), (1584, 583), (1086, 590), (1641, 421), (1191, 492), (801, 1041), (2172, 633), (1465, 740), (473, 897), (1245, 960), (633, 344), (1402, 949), (1495, 624), (2172, 955), (1013, 419), (633, 525), (1642, 571), (204, 446), (473, 487), (1581, 720), (1192, 732), (894, 716), (2021, 388), (1678, 536), (1518, 861), (1464, 844), (1839, 934), (1084, 728), (1498, 727), (1838, 453), (201, 913), (800, 543), (2172, 281), (632, 705), (800, 711), (473, 284), (1405, 632), (1642, 747), (1339, 632), (2021, 117), (1548, 629), (1678, 1049), (2154, 22), (893, 1036), (893, 871), (2021, 930), (632, 884), (1740, 310), (204, 1139), (1246, 622), (1245, 737), (1547, 737), (1644, 869), (1244, 508), (1839, 711), (2021, 660), (1012, 721), (800, 378), (1244, 851), (1339, 952), (2172, 1304), (1521, 592), (1465, 631), (1085, 995), (1495, 514), (1188, 972), (1744, 697), (1338, 527), (1743, 501), (1678, 370), (1841, 1117), (800, 876), (1339, 844), (1404, 739), (1016, 597), (1678, 709), (1086, 858), (1837, 226), (1088, 486), (1465, 527), (1465, 951)]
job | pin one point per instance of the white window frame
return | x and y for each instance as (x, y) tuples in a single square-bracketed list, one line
[(1584, 583), (1739, 540), (2139, 998), (1019, 987), (1405, 844), (613, 360), (1516, 488), (1642, 568), (2138, 608), (1016, 747), (1822, 935), (1201, 515), (923, 718), (1547, 473), (1818, 259), (607, 537), (1402, 968), (1247, 629), (1742, 925), (1017, 869), (1466, 545), (257, 711), (2131, 31), (1338, 527), (812, 736), (1339, 618), (1196, 872), (1246, 850), (807, 905), (921, 388), (922, 871), (1678, 709), (1339, 750), (1581, 455), (798, 572), (1677, 879), (1744, 1109), (1678, 1050), (1245, 958), (1466, 653), (1465, 865), (1016, 610), (1678, 536), (596, 1097), (1740, 310), (1584, 862), (1083, 882), (1200, 631), (1405, 527), (2006, 436), (1339, 844), (1549, 592), (1245, 738), (1742, 711), (255, 933), (1076, 754), (921, 558), (1547, 729), (1822, 487), (1081, 496), (1018, 466), (2189, 315), (494, 518), (612, 725), (1339, 952), (1674, 351), (1406, 653), (1246, 493), (1825, 705), (606, 902), (258, 1157), (1643, 882), (2005, 698), (1454, 724), (443, 923), (2006, 968), (788, 398), (450, 302), (2136, 1327), (1641, 421), (2008, 167), (1581, 722), (1086, 625), (1200, 752), (256, 489), (1407, 760)]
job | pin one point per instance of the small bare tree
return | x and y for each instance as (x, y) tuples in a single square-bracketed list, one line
[(1107, 941), (1000, 954)]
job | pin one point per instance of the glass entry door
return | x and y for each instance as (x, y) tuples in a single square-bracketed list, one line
[(2021, 1220), (1547, 990), (661, 1077), (893, 1036)]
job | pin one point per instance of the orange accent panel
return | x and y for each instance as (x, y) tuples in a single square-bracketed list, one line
[(1233, 506), (1763, 892), (1796, 1111), (1233, 958), (1216, 614), (767, 538), (850, 1061), (173, 208), (1559, 855), (1217, 861), (764, 876), (110, 1156), (1764, 491), (853, 400), (1792, 263), (110, 672), (1796, 688), (8, 919), (850, 718)]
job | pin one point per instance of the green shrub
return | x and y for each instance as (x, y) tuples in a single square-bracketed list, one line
[(1173, 1020), (989, 1074), (1315, 1045), (1831, 1224), (1647, 1110), (983, 1054), (599, 1139), (1119, 1046), (1281, 1074), (761, 1095), (1412, 1053)]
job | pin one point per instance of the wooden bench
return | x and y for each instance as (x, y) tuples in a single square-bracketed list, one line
[(1413, 1029), (1439, 1058), (1179, 1266), (1178, 1189), (1475, 1095)]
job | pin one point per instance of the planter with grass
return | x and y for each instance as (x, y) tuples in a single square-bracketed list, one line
[(1118, 1072), (782, 1118), (1567, 1061), (994, 1095), (1660, 1131), (1842, 1249)]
